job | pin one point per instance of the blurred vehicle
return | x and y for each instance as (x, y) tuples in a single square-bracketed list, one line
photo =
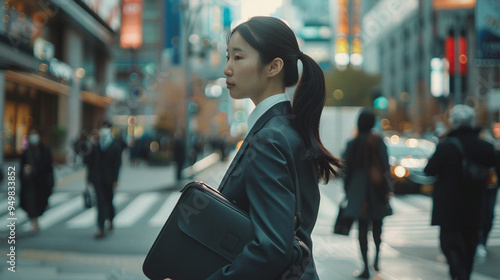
[(408, 158)]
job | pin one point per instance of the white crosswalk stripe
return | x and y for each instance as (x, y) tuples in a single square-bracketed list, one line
[(59, 213), (135, 210), (162, 215), (88, 217), (408, 226), (21, 215)]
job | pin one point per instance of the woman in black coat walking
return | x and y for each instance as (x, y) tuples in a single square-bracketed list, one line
[(457, 205), (37, 178), (367, 203)]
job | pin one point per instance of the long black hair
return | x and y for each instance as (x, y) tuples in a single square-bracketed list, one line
[(272, 38)]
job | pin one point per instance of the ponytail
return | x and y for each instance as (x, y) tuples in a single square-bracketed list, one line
[(308, 103), (272, 38)]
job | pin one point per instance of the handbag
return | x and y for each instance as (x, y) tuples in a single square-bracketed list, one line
[(87, 198), (204, 233), (376, 176), (375, 173), (342, 224)]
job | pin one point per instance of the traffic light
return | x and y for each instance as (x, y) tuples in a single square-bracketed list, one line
[(381, 103)]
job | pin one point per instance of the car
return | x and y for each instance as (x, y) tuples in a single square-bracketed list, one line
[(408, 158)]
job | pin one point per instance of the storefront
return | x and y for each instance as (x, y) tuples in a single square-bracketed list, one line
[(50, 51)]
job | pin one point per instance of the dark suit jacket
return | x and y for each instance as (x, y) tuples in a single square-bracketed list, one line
[(104, 165), (260, 180), (454, 203)]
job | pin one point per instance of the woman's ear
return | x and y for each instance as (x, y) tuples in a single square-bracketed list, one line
[(274, 67)]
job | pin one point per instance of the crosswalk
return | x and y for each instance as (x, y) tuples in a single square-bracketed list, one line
[(408, 226)]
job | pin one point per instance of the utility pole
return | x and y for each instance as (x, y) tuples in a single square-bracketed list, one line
[(188, 18)]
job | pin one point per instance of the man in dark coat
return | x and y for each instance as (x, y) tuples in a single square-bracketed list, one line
[(37, 178), (103, 165), (457, 205)]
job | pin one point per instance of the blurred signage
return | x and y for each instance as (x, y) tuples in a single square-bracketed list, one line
[(341, 51), (108, 11), (343, 18), (227, 17), (131, 30), (116, 92), (440, 77), (60, 70), (356, 18), (173, 32), (454, 4), (43, 49), (462, 55), (488, 32), (315, 33), (450, 52)]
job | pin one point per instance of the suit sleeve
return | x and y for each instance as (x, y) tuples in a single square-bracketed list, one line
[(50, 169), (269, 189), (347, 159), (117, 160), (434, 165)]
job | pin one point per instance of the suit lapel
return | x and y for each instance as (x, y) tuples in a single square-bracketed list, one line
[(282, 108)]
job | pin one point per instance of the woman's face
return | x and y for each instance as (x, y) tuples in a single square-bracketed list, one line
[(245, 77)]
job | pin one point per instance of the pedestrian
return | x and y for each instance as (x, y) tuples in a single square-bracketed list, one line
[(367, 202), (489, 202), (457, 205), (37, 178), (179, 153), (104, 162), (282, 150)]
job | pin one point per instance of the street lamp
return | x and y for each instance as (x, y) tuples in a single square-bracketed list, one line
[(188, 17)]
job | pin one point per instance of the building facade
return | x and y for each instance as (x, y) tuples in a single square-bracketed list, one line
[(402, 38), (55, 63)]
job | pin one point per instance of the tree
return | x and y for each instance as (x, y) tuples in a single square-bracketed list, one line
[(350, 87)]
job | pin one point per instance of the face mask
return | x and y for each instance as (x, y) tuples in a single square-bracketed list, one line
[(34, 139), (105, 132)]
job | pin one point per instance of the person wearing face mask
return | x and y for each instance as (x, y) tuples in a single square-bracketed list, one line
[(37, 178), (104, 163)]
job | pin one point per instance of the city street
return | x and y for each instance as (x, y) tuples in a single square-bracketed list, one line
[(184, 81), (65, 247)]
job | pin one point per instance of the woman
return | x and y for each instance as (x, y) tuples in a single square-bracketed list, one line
[(282, 147), (37, 178), (367, 203)]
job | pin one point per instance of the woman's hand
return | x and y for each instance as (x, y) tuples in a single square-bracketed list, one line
[(27, 169)]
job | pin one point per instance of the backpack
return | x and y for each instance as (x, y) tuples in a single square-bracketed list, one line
[(473, 173)]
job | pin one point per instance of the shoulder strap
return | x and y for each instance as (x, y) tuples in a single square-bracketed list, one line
[(458, 144)]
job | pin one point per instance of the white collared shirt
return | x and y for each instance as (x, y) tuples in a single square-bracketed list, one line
[(263, 106)]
